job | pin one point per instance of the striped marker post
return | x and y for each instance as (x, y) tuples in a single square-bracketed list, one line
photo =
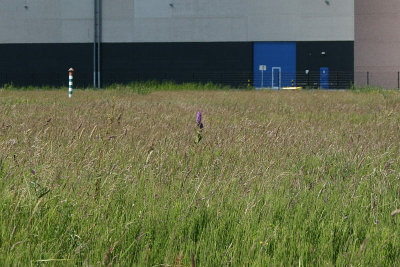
[(71, 82)]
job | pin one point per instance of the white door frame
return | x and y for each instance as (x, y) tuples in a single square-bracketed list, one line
[(280, 78)]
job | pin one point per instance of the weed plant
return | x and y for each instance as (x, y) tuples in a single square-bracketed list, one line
[(114, 177)]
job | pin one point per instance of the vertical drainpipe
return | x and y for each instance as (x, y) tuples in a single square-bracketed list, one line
[(94, 41), (98, 43)]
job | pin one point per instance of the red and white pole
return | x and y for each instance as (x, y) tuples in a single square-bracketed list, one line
[(71, 82)]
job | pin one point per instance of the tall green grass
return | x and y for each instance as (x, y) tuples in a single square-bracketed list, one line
[(155, 86), (137, 87), (279, 178)]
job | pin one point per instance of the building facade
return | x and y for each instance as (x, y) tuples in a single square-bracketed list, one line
[(377, 43), (301, 42)]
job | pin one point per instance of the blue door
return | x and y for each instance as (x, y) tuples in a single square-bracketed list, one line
[(279, 59), (276, 78), (324, 78)]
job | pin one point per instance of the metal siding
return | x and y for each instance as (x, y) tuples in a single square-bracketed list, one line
[(275, 54), (338, 57), (47, 64), (60, 21)]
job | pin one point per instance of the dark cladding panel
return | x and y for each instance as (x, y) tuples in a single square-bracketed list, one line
[(47, 64), (223, 62), (337, 56)]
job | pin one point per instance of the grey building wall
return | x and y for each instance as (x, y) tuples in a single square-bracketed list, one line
[(377, 42), (46, 21), (62, 21)]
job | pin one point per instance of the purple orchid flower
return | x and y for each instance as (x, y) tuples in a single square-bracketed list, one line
[(198, 120), (33, 172)]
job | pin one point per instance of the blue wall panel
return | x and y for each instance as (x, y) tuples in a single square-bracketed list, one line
[(274, 55)]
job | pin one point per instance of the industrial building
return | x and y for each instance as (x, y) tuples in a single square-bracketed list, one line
[(266, 43)]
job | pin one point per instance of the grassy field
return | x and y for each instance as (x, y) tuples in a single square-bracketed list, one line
[(279, 178)]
